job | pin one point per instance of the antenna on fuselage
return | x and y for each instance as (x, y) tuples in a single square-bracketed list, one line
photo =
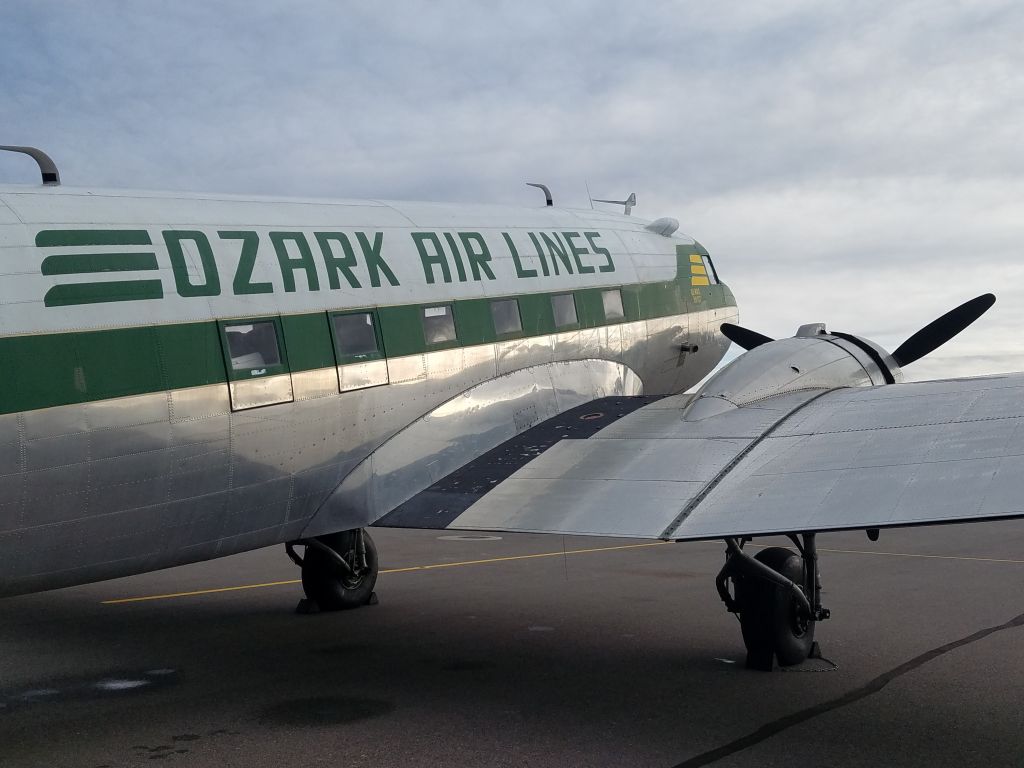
[(629, 203), (51, 176), (547, 192)]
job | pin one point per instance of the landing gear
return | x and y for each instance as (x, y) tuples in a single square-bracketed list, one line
[(338, 571), (777, 595)]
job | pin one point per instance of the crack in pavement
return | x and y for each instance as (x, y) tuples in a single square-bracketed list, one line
[(871, 687)]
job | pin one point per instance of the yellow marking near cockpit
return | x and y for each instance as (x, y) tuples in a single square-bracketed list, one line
[(696, 258), (431, 567), (699, 281)]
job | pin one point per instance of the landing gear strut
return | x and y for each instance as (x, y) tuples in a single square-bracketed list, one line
[(338, 571), (777, 595)]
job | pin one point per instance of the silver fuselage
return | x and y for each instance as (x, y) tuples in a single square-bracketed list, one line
[(100, 483)]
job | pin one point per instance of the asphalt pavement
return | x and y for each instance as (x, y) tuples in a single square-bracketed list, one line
[(524, 651)]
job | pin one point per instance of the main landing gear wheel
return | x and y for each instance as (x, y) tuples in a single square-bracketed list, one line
[(770, 618), (339, 571), (777, 595)]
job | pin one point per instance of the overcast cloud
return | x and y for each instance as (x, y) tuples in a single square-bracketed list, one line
[(858, 164)]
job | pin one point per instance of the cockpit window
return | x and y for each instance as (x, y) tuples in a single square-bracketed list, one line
[(709, 267)]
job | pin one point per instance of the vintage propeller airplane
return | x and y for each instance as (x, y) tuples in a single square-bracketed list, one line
[(190, 376)]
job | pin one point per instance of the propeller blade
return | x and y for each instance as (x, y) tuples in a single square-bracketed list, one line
[(941, 330), (744, 337)]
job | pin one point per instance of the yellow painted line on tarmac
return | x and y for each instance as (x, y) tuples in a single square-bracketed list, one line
[(927, 557), (534, 556), (431, 567), (198, 592), (909, 554)]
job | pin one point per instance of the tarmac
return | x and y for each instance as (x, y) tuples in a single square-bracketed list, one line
[(525, 650)]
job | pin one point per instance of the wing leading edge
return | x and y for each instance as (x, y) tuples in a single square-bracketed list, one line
[(813, 460)]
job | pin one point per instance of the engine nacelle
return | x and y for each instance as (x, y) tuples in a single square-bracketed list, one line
[(813, 359)]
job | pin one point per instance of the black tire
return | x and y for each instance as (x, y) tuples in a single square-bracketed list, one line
[(768, 613), (327, 584)]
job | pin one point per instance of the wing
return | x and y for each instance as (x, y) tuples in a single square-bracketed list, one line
[(813, 460)]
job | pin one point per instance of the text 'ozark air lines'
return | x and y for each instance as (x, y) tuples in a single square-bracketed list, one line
[(207, 264)]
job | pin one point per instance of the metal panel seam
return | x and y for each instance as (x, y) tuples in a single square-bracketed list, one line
[(713, 482), (391, 207), (13, 212)]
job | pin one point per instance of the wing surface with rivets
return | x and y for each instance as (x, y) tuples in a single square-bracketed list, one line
[(813, 460)]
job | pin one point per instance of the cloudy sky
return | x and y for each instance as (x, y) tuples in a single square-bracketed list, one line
[(859, 164)]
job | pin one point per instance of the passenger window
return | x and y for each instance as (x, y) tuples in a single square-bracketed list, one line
[(253, 346), (709, 268), (506, 317), (564, 307), (612, 301), (438, 324), (355, 337)]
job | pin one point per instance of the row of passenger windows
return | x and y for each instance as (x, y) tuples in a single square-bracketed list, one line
[(254, 346)]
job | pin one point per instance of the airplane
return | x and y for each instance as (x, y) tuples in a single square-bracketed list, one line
[(188, 376)]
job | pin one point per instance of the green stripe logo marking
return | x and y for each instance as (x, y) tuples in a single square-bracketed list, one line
[(87, 263), (97, 293), (98, 263), (63, 238)]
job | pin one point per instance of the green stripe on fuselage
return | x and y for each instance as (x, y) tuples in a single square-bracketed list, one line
[(48, 370)]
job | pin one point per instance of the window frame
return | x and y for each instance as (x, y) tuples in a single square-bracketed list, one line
[(709, 269), (622, 307), (575, 310), (519, 316), (348, 359), (246, 374), (432, 345)]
